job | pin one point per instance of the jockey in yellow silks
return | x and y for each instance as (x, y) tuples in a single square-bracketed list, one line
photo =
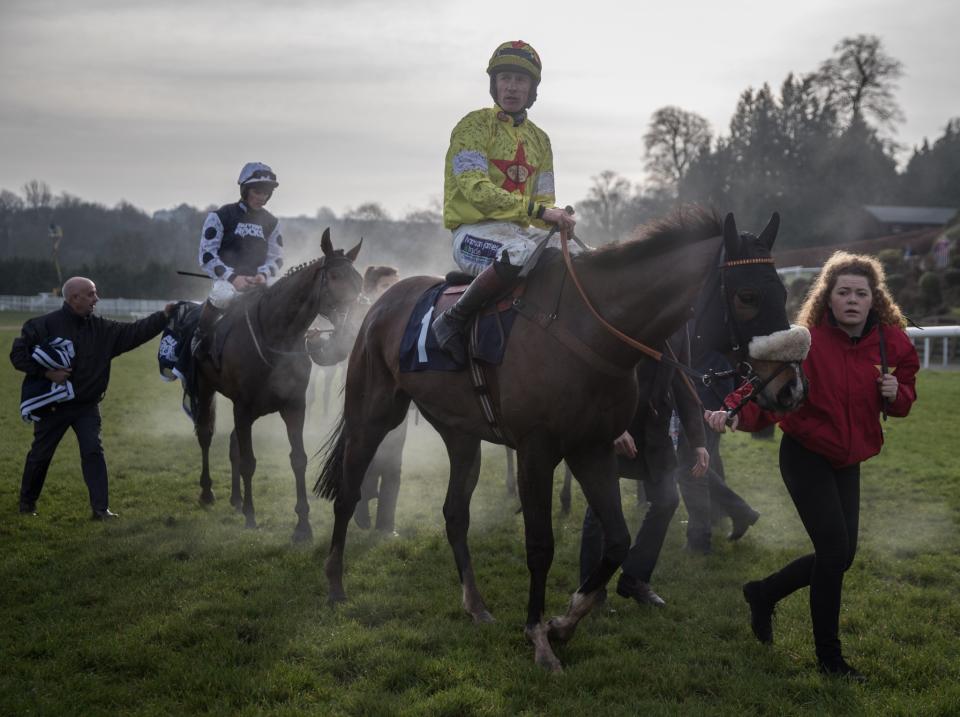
[(498, 195)]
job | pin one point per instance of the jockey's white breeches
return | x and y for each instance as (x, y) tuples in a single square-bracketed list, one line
[(477, 246)]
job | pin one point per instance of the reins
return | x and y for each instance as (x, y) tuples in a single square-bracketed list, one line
[(704, 378)]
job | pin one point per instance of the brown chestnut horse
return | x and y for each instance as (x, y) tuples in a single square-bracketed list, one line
[(265, 369), (565, 390)]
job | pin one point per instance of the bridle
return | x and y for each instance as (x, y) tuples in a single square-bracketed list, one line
[(337, 316), (744, 369)]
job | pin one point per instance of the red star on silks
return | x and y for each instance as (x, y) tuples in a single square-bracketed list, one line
[(516, 170)]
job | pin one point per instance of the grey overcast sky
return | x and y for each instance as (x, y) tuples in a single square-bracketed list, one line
[(162, 102)]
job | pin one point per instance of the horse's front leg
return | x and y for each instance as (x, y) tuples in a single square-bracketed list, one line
[(464, 452), (595, 469), (247, 462), (206, 417), (293, 419), (536, 460)]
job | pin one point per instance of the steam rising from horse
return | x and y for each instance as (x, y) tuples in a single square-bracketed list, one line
[(265, 369), (565, 390)]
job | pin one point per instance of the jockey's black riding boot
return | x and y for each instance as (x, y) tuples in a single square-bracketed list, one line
[(491, 283), (203, 334)]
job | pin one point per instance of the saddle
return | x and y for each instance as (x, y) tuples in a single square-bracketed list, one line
[(419, 350)]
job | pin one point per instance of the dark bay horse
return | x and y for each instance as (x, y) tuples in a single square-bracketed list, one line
[(565, 390), (264, 368)]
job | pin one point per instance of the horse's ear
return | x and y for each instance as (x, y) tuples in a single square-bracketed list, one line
[(352, 254), (731, 237), (325, 243), (769, 232)]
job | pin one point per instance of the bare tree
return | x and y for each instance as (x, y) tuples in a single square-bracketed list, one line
[(673, 140), (860, 79), (368, 212), (9, 201), (605, 203), (37, 194)]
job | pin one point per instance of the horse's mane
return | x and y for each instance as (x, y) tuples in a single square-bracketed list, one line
[(686, 225)]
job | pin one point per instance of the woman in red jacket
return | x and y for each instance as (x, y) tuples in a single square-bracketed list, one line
[(856, 331)]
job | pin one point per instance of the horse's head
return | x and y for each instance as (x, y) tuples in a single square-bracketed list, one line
[(327, 286), (759, 335), (336, 295)]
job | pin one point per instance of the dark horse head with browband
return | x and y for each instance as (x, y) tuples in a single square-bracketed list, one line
[(264, 368), (565, 390)]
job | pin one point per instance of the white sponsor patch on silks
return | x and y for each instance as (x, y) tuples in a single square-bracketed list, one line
[(245, 229), (788, 345), (469, 160), (545, 183)]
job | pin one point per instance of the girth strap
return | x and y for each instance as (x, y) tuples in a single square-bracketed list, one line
[(479, 379)]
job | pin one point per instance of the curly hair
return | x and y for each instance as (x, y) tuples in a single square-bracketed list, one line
[(818, 296)]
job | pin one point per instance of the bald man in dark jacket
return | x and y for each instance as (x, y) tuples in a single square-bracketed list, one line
[(96, 341)]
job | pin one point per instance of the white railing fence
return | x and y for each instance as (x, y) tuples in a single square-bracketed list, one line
[(923, 340), (43, 303)]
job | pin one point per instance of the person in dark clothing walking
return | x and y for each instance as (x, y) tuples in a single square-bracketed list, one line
[(96, 341), (645, 452), (710, 500), (857, 335)]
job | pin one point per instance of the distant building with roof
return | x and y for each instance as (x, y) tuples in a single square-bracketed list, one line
[(883, 221)]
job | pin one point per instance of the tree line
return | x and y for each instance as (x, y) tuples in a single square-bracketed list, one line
[(816, 150)]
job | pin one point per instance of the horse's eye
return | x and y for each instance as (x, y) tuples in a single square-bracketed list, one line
[(746, 304)]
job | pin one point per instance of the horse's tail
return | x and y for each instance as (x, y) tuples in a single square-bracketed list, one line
[(331, 475)]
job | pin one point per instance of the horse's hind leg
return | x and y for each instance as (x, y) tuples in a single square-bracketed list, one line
[(595, 469), (236, 498), (360, 443), (206, 417), (464, 452), (293, 417), (243, 426)]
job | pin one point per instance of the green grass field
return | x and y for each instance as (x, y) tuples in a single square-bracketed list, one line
[(176, 609)]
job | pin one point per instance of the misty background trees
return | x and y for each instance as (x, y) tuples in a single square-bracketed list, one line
[(816, 149)]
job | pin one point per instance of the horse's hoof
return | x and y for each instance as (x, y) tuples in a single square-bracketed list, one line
[(303, 536), (483, 618), (207, 498), (237, 504), (560, 630), (334, 599), (250, 524), (549, 663)]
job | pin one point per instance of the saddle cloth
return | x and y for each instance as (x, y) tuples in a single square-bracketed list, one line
[(419, 350)]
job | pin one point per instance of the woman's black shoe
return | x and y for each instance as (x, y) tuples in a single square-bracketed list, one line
[(761, 612), (839, 668)]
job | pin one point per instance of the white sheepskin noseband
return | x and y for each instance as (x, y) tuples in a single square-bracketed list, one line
[(788, 345)]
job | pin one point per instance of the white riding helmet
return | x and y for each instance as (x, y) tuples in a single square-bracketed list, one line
[(257, 173)]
